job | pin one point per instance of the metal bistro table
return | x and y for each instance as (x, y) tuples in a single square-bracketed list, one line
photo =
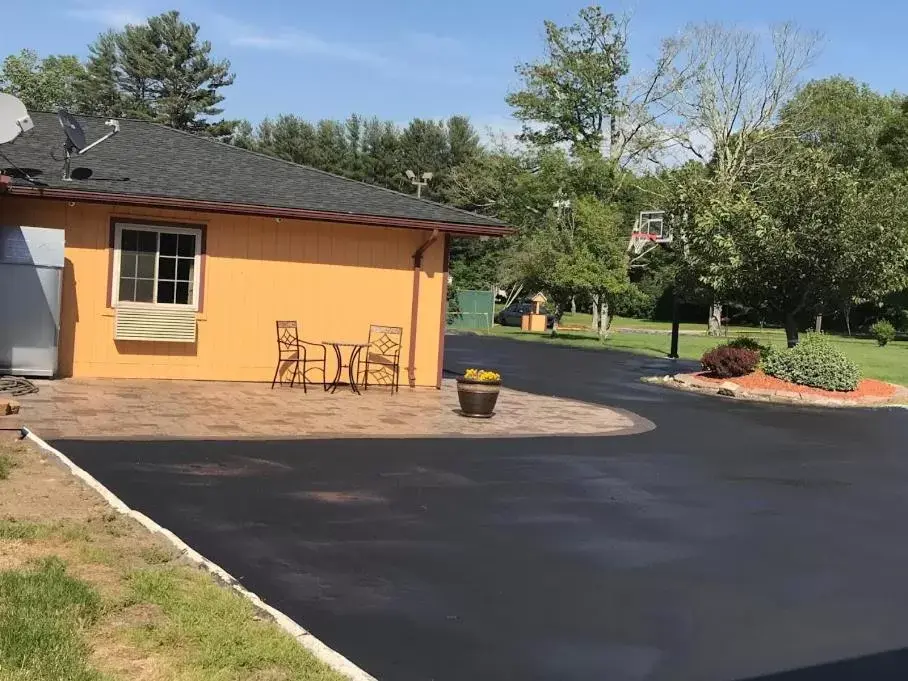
[(350, 366)]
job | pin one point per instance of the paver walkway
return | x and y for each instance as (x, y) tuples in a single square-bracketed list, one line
[(82, 408)]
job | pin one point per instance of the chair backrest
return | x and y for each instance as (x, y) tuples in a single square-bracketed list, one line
[(288, 340), (385, 340)]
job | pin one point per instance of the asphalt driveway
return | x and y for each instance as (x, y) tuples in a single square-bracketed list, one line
[(732, 541)]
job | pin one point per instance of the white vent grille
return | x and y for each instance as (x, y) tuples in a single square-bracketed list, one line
[(155, 324)]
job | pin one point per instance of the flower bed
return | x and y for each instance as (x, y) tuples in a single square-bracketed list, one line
[(758, 381)]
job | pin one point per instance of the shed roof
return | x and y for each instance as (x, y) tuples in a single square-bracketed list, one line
[(150, 164)]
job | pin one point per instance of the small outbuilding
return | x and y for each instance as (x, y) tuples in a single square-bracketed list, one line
[(181, 252)]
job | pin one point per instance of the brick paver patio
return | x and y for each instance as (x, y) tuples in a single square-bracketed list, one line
[(106, 408)]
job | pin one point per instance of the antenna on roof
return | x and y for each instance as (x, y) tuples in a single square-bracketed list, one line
[(14, 120), (75, 139)]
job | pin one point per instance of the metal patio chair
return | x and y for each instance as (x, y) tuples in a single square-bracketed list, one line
[(382, 357), (293, 353)]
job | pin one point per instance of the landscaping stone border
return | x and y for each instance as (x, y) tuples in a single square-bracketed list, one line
[(729, 389)]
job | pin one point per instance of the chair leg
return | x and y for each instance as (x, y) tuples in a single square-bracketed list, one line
[(276, 370)]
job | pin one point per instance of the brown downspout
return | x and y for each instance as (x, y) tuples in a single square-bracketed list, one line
[(446, 265), (414, 310)]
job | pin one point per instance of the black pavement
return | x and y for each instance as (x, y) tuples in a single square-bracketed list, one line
[(733, 541)]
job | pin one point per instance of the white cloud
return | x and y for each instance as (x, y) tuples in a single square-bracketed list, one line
[(293, 41), (112, 16)]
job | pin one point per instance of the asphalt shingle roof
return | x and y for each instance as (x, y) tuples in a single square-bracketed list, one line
[(147, 159)]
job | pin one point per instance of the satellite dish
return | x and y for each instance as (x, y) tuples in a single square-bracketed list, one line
[(75, 139), (72, 130), (14, 118)]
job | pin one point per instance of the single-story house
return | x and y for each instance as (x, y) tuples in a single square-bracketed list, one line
[(161, 226)]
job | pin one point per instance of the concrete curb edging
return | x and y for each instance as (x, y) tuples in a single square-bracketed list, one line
[(322, 652)]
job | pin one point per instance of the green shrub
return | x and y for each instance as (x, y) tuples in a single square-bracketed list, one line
[(814, 362), (726, 361), (883, 331), (749, 343)]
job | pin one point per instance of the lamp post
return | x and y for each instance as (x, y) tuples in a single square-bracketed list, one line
[(419, 182)]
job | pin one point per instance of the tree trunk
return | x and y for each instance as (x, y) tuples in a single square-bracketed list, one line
[(714, 324), (791, 330), (847, 311), (818, 327), (600, 315), (605, 319), (573, 304)]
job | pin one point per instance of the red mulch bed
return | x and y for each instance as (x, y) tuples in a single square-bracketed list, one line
[(868, 387)]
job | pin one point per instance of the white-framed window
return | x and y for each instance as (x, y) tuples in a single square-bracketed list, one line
[(156, 265)]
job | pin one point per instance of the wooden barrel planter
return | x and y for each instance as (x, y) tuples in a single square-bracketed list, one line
[(477, 398)]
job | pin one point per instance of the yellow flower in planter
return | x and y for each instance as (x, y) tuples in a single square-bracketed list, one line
[(482, 375)]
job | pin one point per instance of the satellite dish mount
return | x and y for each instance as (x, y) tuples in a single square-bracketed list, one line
[(75, 143)]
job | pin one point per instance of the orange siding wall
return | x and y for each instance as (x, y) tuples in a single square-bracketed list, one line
[(335, 279)]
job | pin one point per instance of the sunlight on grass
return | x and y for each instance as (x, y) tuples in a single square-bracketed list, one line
[(215, 632), (43, 612), (24, 530), (888, 363), (7, 463)]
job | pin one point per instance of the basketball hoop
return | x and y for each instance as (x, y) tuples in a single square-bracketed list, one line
[(649, 231)]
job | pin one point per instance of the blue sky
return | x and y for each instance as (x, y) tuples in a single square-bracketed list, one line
[(403, 58)]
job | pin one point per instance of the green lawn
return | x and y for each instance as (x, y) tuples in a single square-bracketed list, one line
[(586, 320), (888, 364)]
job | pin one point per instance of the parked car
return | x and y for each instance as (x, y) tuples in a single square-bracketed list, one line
[(511, 315)]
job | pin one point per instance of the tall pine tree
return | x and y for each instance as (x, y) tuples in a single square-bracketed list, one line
[(160, 71), (97, 87)]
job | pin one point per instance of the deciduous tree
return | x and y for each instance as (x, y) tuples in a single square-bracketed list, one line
[(584, 94), (44, 84)]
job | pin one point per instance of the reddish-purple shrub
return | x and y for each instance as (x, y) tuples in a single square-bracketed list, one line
[(727, 362)]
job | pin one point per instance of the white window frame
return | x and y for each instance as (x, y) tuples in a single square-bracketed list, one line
[(158, 229)]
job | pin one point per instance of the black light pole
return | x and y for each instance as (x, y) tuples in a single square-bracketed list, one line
[(676, 324)]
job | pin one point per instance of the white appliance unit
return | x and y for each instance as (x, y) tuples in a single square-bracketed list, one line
[(31, 280)]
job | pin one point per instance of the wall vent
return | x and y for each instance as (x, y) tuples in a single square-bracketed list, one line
[(139, 323)]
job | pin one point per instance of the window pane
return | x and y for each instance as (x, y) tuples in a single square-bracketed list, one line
[(187, 245), (148, 241), (185, 266), (129, 238), (167, 268), (127, 289), (165, 291), (144, 291), (127, 264), (145, 266), (168, 244), (183, 293)]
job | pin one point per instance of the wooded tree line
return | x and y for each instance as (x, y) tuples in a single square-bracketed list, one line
[(786, 199)]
